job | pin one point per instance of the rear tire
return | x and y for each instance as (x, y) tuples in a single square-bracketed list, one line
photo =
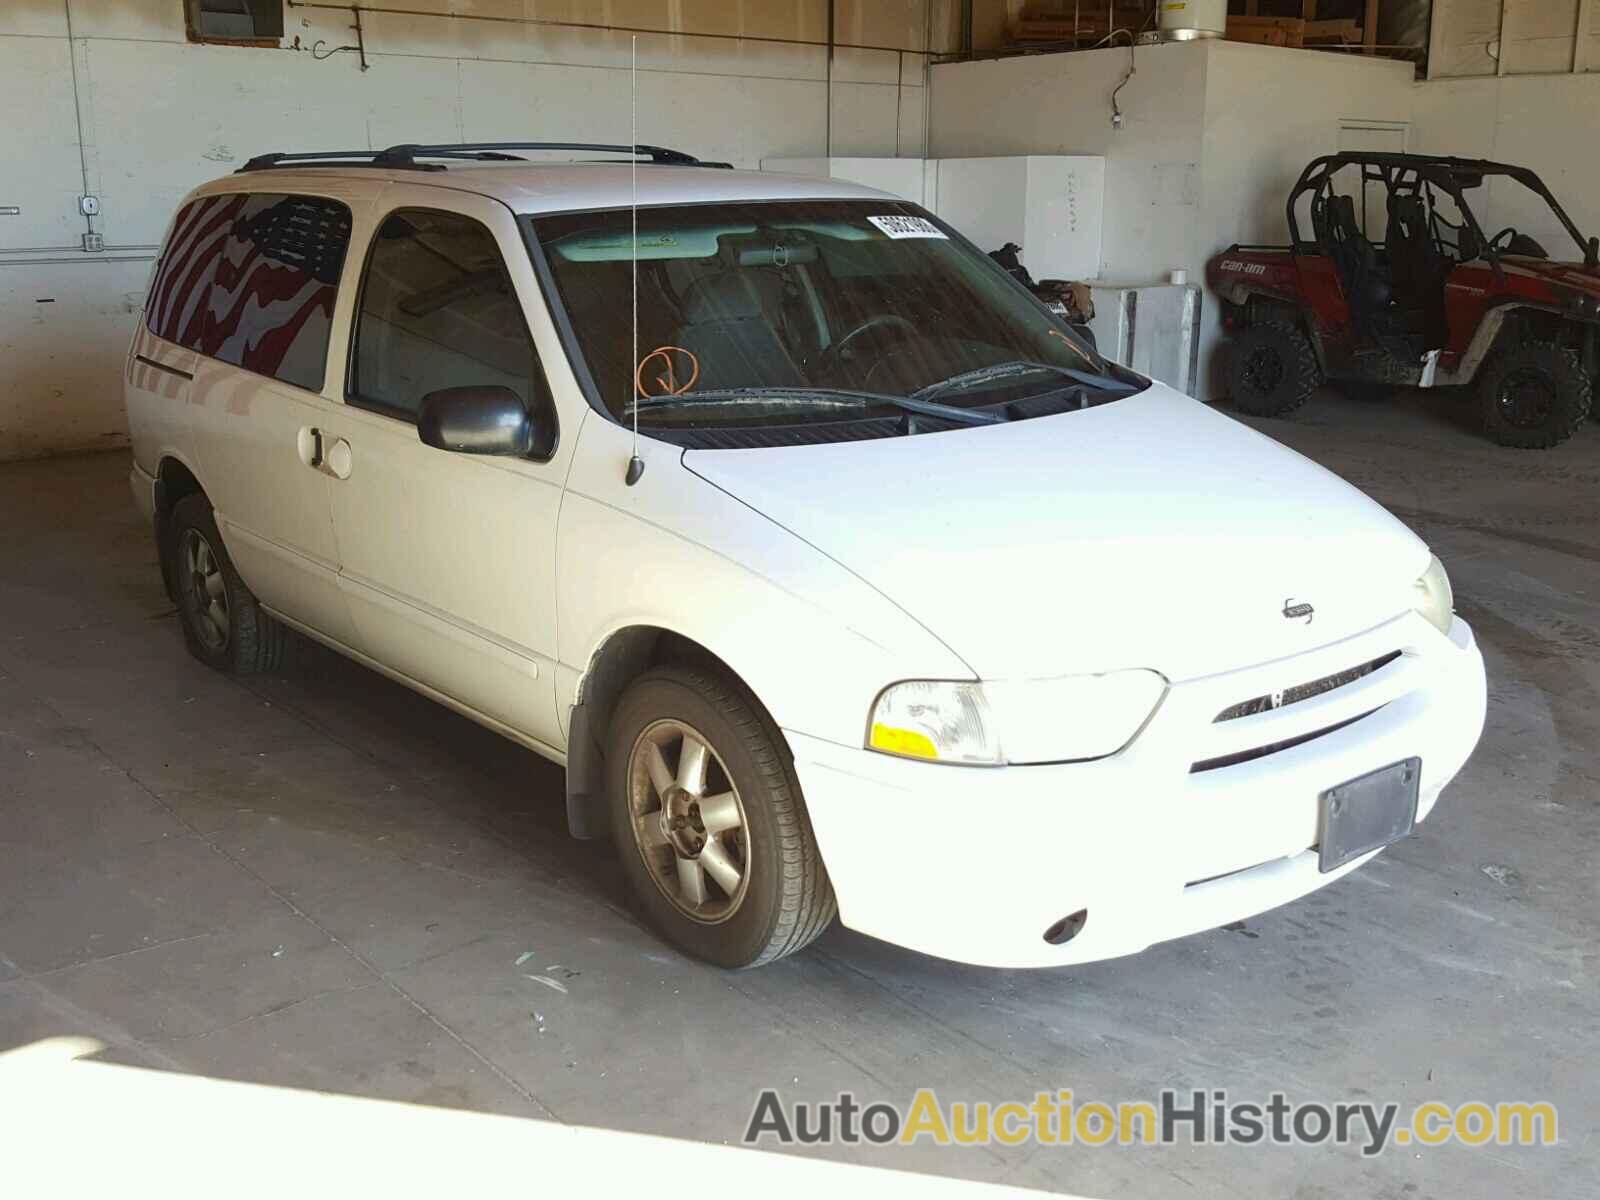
[(1273, 370), (1534, 395), (223, 625), (720, 857)]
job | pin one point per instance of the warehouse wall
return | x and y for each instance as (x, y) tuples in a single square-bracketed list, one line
[(159, 114), (1213, 134), (1268, 112), (1548, 122), (1061, 104), (1537, 103)]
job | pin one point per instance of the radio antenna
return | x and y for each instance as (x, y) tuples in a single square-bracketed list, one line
[(635, 463)]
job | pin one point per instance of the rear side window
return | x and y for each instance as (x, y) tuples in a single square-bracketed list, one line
[(438, 310), (182, 283), (251, 280)]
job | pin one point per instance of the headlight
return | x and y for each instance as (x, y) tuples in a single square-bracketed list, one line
[(941, 722), (1024, 721), (1433, 598)]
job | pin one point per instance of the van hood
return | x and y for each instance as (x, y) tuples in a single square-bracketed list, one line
[(1147, 532)]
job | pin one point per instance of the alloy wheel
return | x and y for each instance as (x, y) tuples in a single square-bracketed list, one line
[(688, 821), (205, 594)]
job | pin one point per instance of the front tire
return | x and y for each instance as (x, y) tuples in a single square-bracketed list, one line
[(1273, 370), (223, 625), (1534, 395), (709, 822)]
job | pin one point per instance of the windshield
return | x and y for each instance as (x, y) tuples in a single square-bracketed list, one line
[(806, 312)]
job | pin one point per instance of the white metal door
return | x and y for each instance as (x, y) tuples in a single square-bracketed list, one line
[(256, 287), (448, 560)]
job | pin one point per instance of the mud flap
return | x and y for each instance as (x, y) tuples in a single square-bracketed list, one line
[(587, 813)]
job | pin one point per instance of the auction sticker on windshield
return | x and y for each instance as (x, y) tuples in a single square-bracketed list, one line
[(907, 227)]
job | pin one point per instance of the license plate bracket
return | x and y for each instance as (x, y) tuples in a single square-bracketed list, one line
[(1367, 813)]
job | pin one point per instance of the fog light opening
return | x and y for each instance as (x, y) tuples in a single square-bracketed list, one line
[(1064, 930)]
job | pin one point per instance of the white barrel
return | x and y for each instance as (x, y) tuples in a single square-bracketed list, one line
[(1182, 20)]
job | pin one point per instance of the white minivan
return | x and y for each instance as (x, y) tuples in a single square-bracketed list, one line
[(841, 576)]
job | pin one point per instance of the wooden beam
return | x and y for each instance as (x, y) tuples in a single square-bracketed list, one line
[(1369, 28), (1267, 31), (1308, 10), (1436, 39), (1345, 30), (1291, 23)]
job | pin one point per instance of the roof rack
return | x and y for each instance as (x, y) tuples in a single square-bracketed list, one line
[(407, 157)]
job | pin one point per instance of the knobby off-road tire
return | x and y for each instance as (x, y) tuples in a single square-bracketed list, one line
[(223, 625), (709, 821), (1534, 395), (1272, 370)]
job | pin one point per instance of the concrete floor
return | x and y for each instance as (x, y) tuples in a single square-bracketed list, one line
[(320, 880)]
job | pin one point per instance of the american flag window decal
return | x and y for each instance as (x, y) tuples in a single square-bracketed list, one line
[(250, 279)]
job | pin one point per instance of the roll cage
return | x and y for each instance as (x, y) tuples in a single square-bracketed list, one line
[(1410, 175)]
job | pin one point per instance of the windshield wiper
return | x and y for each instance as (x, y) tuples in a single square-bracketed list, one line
[(1021, 366), (814, 397)]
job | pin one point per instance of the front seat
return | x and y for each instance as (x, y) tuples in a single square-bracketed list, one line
[(728, 326), (1356, 260), (1419, 269)]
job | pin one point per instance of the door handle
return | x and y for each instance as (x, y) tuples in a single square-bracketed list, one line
[(308, 443), (323, 452)]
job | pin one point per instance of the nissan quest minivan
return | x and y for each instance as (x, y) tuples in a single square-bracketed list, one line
[(840, 575)]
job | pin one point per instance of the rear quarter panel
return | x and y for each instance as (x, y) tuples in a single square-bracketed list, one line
[(157, 400), (1237, 274), (1308, 283)]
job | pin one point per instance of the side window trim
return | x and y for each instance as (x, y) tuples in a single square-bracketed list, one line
[(352, 394)]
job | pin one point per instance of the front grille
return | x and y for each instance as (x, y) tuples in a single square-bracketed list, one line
[(1244, 756), (1302, 691)]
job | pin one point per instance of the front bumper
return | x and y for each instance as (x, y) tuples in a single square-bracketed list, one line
[(974, 864)]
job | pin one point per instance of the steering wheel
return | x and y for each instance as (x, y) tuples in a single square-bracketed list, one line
[(836, 353), (1509, 234), (1517, 243)]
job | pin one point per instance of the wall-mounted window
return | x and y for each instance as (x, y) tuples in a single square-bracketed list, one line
[(240, 22)]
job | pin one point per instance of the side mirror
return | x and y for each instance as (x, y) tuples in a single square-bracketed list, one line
[(477, 420)]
